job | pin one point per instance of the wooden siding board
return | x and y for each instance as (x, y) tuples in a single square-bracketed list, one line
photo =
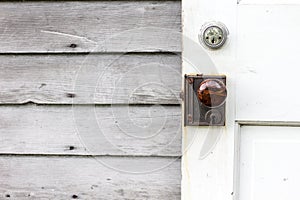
[(88, 178), (90, 79), (92, 26), (57, 150), (88, 130)]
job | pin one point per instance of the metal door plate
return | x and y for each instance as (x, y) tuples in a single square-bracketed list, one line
[(195, 112)]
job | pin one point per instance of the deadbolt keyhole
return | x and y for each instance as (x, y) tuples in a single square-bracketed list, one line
[(213, 35)]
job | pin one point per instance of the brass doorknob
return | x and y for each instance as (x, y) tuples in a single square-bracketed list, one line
[(212, 92)]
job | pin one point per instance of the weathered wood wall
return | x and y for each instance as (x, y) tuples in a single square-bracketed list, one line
[(89, 100), (50, 79)]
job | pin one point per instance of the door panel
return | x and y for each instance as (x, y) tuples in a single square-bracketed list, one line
[(269, 164), (260, 60), (271, 2), (268, 71)]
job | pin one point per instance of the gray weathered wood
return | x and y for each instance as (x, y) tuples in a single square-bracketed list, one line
[(92, 26), (89, 130), (90, 79), (88, 178)]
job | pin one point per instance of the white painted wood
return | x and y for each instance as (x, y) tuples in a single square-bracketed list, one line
[(119, 130), (269, 164), (212, 177), (267, 63), (88, 178), (95, 79), (92, 26), (269, 2), (260, 61)]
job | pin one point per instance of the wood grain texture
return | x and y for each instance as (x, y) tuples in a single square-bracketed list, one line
[(93, 26), (87, 178), (90, 79), (89, 130)]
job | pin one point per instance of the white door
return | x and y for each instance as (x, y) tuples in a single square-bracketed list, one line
[(256, 155)]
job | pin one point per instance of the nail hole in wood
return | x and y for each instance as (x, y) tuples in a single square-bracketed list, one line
[(73, 45), (71, 148), (70, 95), (42, 85)]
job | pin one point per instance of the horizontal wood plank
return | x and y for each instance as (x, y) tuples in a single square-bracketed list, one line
[(90, 130), (92, 26), (88, 178), (90, 79)]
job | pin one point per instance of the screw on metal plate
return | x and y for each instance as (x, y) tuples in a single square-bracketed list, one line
[(213, 35)]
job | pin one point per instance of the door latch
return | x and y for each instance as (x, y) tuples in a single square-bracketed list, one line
[(204, 100)]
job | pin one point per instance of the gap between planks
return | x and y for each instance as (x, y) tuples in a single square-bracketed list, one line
[(87, 155)]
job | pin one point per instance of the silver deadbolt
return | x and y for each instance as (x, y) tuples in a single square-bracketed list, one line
[(213, 35)]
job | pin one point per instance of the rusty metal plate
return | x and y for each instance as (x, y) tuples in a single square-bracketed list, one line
[(204, 100)]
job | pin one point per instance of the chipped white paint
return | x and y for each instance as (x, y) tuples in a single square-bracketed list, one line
[(136, 130), (54, 26), (47, 151), (68, 35), (107, 78), (86, 178), (211, 177)]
